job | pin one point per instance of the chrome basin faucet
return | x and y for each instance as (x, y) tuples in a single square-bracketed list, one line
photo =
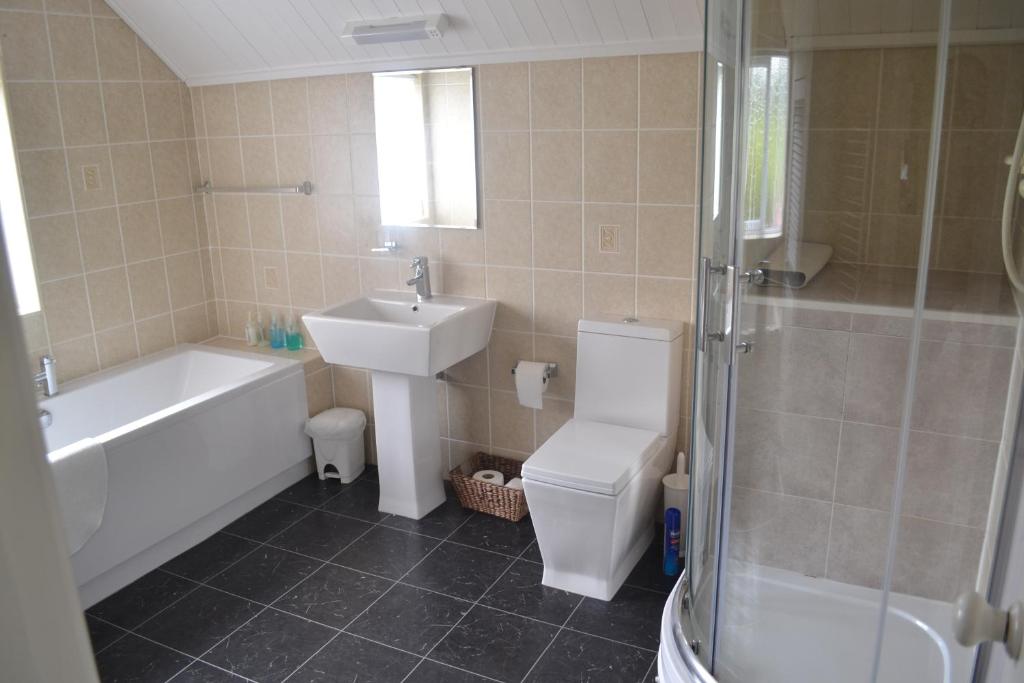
[(46, 378), (421, 278)]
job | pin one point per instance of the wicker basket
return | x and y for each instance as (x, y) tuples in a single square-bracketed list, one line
[(482, 496)]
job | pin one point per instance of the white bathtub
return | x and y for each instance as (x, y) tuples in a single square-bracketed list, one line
[(194, 437), (783, 627)]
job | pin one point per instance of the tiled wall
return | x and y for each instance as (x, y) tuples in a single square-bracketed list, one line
[(123, 268), (566, 146), (816, 446), (870, 113)]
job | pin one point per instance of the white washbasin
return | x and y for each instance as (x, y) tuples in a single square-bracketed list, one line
[(392, 332)]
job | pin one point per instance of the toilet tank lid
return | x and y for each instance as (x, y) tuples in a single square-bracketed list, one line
[(640, 328)]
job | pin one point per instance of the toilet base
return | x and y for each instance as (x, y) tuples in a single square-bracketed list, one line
[(595, 587)]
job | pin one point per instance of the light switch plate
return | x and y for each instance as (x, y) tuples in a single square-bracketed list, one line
[(608, 239), (91, 177)]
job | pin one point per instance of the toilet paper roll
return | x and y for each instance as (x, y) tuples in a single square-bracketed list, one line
[(515, 483), (530, 384), (491, 477)]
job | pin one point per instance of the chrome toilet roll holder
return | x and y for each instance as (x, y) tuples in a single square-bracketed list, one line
[(550, 370)]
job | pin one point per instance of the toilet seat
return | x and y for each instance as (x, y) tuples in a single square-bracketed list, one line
[(592, 456)]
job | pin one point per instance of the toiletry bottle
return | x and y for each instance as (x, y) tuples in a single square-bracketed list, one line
[(294, 336), (673, 522), (276, 335), (261, 329), (252, 336)]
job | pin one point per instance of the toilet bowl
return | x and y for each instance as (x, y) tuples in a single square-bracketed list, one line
[(594, 486)]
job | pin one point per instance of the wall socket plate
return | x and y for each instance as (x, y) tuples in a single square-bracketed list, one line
[(608, 239), (91, 177)]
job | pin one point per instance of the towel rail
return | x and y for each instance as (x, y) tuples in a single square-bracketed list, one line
[(306, 188)]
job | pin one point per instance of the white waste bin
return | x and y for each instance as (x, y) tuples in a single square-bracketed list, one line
[(337, 436)]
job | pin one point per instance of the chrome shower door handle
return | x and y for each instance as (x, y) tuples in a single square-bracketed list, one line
[(703, 286)]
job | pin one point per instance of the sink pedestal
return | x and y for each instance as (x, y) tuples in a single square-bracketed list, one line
[(408, 444)]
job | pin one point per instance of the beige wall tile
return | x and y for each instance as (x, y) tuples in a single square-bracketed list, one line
[(239, 284), (894, 151), (610, 92), (556, 94), (557, 235), (665, 240), (74, 52), (44, 181), (609, 166), (669, 87), (513, 288), (511, 423), (152, 67), (115, 43), (970, 244), (305, 279), (506, 165), (658, 297), (226, 162), (35, 121), (81, 110), (290, 106), (178, 225), (557, 166), (332, 164), (468, 413), (364, 164), (100, 236), (271, 277), (780, 531), (341, 279), (133, 175), (609, 295), (108, 295), (75, 358), (185, 278), (668, 162), (148, 283), (55, 246), (505, 350), (508, 232), (351, 388), (220, 112), (554, 414), (82, 159), (463, 246), (472, 370), (844, 88), (841, 161), (988, 84), (66, 306), (25, 45), (975, 181), (560, 350), (462, 280), (155, 334), (295, 162), (559, 302), (300, 225), (191, 325), (360, 102), (170, 169), (908, 84), (232, 225), (163, 111), (504, 94), (875, 374), (116, 346), (894, 240), (265, 221), (254, 117), (328, 105), (141, 231), (259, 163), (126, 113)]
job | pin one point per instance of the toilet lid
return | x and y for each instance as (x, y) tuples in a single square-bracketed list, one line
[(592, 456)]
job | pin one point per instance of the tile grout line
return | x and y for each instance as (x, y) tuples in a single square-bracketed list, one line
[(553, 639)]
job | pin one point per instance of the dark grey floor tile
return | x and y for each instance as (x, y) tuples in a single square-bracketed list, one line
[(520, 591), (495, 644), (652, 672), (586, 659), (321, 535), (210, 557), (311, 491), (198, 621), (433, 672), (136, 660), (532, 553), (439, 523), (493, 533), (360, 499), (633, 617), (410, 619), (386, 552), (201, 672), (265, 574), (270, 647), (267, 520), (648, 572), (102, 634), (369, 474), (458, 570), (333, 595), (348, 659), (141, 599)]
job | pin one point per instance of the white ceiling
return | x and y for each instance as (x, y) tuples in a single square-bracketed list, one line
[(222, 41)]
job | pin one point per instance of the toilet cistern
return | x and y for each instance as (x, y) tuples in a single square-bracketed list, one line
[(420, 278)]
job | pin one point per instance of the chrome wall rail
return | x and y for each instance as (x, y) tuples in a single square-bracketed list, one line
[(306, 188)]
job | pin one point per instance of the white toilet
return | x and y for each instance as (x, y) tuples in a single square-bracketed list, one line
[(594, 486)]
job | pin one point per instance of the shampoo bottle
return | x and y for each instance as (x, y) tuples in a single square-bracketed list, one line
[(276, 333), (293, 335), (252, 335), (673, 522), (261, 329)]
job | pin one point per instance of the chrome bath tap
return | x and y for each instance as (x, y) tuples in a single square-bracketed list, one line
[(421, 278), (46, 378)]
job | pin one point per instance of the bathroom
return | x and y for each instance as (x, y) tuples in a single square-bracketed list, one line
[(841, 367)]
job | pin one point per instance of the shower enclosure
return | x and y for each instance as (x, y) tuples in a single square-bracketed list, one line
[(859, 341)]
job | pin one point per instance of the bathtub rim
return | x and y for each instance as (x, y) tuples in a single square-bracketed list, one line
[(278, 367)]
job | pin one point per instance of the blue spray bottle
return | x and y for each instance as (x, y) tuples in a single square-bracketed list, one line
[(673, 522)]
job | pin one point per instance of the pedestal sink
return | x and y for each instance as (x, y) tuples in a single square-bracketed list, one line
[(405, 343)]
